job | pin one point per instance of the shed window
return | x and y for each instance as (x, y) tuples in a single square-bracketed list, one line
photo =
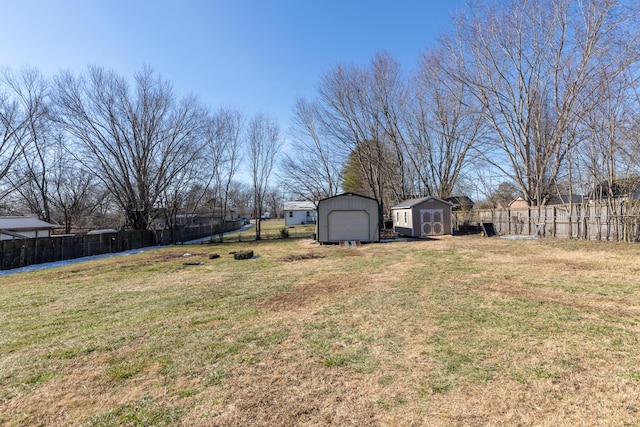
[(290, 214), (308, 214)]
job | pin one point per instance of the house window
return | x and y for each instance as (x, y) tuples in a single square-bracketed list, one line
[(290, 214), (397, 217), (405, 218)]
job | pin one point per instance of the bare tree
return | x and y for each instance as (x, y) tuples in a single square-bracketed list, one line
[(609, 154), (137, 140), (30, 178), (224, 153), (274, 202), (75, 192), (531, 64), (14, 135), (444, 127), (388, 97), (264, 144), (310, 170), (359, 108), (174, 206), (241, 198)]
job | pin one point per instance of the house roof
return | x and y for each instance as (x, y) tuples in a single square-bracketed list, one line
[(299, 205), (517, 199), (564, 199), (622, 187), (17, 223), (461, 202), (413, 202)]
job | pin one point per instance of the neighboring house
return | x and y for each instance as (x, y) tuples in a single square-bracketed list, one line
[(565, 199), (460, 203), (23, 227), (519, 203), (348, 217), (621, 189), (427, 216), (299, 212)]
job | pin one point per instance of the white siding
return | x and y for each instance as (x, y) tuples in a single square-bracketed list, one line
[(293, 217)]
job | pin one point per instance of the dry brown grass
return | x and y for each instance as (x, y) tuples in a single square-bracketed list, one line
[(449, 332)]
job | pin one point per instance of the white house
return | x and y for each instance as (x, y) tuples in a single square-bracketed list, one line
[(299, 212), (22, 227)]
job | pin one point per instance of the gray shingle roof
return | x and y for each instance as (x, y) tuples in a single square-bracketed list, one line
[(17, 223), (412, 202), (299, 205)]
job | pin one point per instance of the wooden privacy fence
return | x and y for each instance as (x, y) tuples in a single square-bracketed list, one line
[(590, 222), (22, 252)]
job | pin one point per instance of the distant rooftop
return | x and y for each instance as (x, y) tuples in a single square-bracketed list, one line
[(16, 223), (299, 205)]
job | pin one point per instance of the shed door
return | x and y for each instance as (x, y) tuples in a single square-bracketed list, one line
[(348, 225), (432, 222)]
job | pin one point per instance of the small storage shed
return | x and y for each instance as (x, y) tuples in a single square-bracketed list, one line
[(348, 217), (299, 212), (428, 216)]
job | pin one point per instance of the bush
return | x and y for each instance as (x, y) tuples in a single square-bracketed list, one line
[(284, 233)]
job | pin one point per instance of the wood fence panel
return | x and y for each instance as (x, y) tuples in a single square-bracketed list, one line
[(590, 222)]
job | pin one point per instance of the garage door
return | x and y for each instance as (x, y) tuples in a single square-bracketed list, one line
[(348, 225)]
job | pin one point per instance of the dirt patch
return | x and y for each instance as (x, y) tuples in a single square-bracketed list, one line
[(351, 251), (299, 257), (561, 264), (313, 291)]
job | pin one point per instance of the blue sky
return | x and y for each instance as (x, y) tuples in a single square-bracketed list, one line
[(254, 56)]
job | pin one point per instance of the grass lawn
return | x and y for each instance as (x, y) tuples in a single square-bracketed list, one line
[(271, 229), (446, 332)]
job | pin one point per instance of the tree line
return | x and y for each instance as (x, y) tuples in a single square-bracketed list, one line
[(97, 150), (520, 98)]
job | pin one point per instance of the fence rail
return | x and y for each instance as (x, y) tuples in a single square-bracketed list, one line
[(592, 222), (22, 252)]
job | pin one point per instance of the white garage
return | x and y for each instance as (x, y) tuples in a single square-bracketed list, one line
[(348, 217)]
